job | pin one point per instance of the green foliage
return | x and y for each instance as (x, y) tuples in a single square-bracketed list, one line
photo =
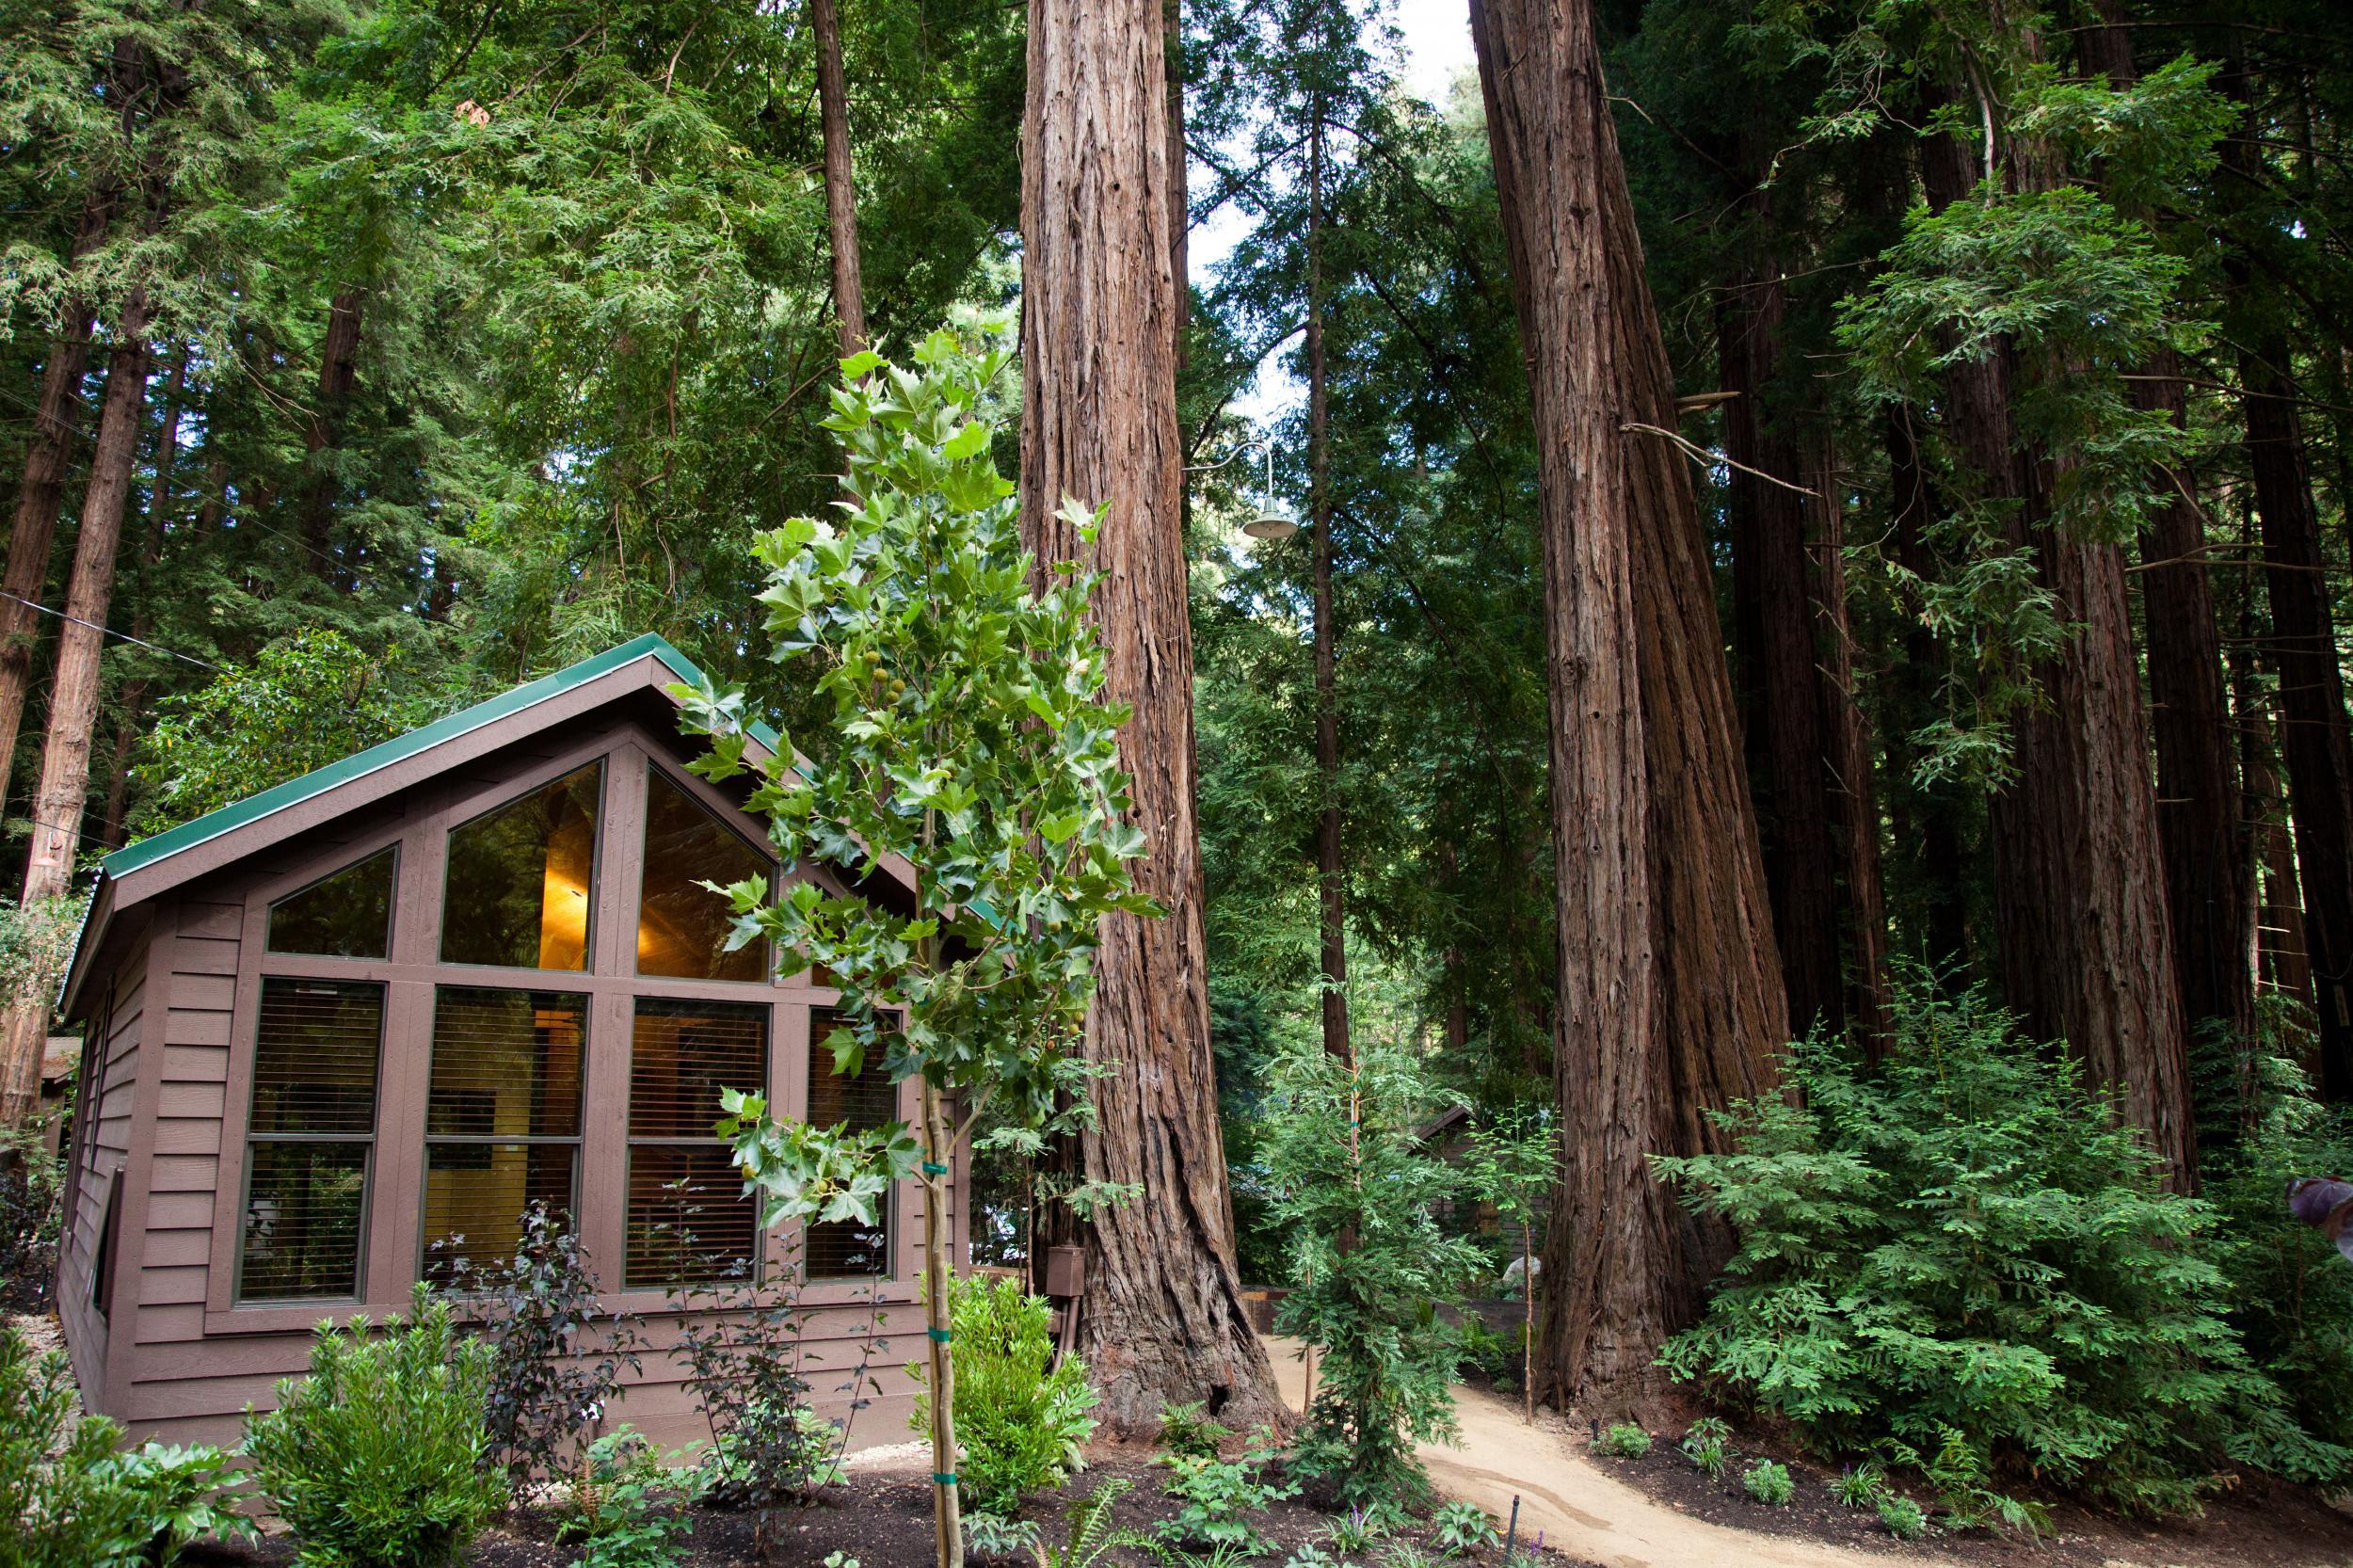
[(1022, 1418), (1458, 1526), (1356, 1183), (179, 1492), (1188, 1428), (1860, 1485), (1357, 1530), (1959, 1253), (306, 702), (1088, 1534), (36, 943), (379, 1458), (992, 1535), (1216, 1498), (619, 1504), (1708, 1445), (1768, 1483), (32, 1209), (1624, 1439), (1904, 1519), (60, 1480)]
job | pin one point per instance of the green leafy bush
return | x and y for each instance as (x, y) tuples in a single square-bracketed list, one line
[(380, 1457), (1217, 1497), (1188, 1429), (1356, 1532), (1768, 1483), (1021, 1419), (178, 1496), (1461, 1527), (1904, 1519), (620, 1502), (1708, 1445), (1860, 1485), (1625, 1440), (1358, 1185), (59, 1486), (1957, 1251)]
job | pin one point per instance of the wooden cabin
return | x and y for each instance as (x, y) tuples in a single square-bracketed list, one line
[(388, 1004)]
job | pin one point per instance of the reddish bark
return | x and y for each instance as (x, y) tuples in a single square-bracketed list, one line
[(1162, 1317), (1670, 997), (833, 110)]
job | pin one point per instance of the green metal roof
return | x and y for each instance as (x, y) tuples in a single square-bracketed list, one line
[(147, 851)]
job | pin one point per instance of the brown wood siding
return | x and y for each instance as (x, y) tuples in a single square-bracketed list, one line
[(176, 1076), (111, 1066)]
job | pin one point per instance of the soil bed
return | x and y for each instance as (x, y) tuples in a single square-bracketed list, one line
[(884, 1521), (2258, 1524)]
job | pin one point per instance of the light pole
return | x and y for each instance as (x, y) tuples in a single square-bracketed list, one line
[(1267, 523)]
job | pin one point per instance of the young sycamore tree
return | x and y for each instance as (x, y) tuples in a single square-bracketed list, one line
[(972, 742)]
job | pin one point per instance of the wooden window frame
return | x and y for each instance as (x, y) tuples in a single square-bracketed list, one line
[(368, 1173), (391, 910), (761, 1264), (418, 822)]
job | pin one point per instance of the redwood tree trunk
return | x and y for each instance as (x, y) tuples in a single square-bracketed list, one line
[(2314, 741), (1670, 999), (1162, 1316), (1332, 889), (1780, 680), (339, 369), (833, 109), (73, 691), (2085, 943)]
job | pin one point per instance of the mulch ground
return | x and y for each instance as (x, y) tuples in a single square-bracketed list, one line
[(2256, 1524), (884, 1520)]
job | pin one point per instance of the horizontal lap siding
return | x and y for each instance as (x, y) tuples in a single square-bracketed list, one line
[(113, 1067)]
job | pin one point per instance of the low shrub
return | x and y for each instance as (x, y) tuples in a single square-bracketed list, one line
[(1860, 1485), (1088, 1534), (380, 1457), (1768, 1483), (59, 1485), (555, 1356), (1708, 1445), (180, 1496), (621, 1503), (1959, 1240), (1188, 1429), (1356, 1532), (1625, 1440), (1903, 1518), (1216, 1498), (1022, 1421), (1461, 1527)]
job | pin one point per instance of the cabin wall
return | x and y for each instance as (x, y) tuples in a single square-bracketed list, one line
[(100, 1158), (186, 1358)]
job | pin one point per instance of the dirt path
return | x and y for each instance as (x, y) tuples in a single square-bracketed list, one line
[(1580, 1510)]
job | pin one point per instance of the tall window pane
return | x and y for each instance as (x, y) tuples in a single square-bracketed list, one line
[(688, 1218), (348, 915), (846, 1249), (310, 1139), (502, 1121), (682, 926), (519, 879)]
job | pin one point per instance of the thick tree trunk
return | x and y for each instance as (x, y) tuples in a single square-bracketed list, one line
[(1180, 207), (833, 110), (1162, 1317), (1853, 797), (60, 800), (2197, 810), (1671, 1002), (2087, 951), (1332, 888), (1778, 674), (49, 455), (2313, 740)]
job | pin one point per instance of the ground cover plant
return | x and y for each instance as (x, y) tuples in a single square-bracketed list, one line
[(1217, 1499), (623, 1503), (380, 1457), (1955, 1260)]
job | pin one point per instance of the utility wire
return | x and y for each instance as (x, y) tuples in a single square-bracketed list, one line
[(183, 658)]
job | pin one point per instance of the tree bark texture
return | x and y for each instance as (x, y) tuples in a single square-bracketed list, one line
[(1671, 1001), (2197, 794), (339, 371), (1179, 204), (1854, 796), (2313, 740), (2085, 940), (60, 799), (1331, 871), (1162, 1317), (833, 110), (1778, 674)]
